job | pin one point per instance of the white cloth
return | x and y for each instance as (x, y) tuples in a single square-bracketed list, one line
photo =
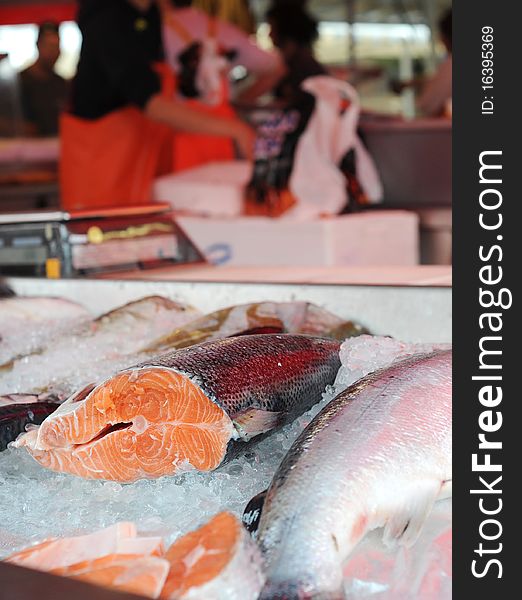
[(249, 55)]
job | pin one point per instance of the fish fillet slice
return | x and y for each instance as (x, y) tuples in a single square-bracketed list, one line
[(218, 561), (58, 553), (141, 423), (131, 573), (145, 546)]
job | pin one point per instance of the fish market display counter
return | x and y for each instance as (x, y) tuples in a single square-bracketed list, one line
[(408, 312), (396, 276), (51, 503)]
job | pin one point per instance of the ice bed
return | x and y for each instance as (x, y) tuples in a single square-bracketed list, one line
[(49, 503)]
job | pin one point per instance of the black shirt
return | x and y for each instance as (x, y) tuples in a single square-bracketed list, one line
[(42, 99), (120, 45), (301, 66)]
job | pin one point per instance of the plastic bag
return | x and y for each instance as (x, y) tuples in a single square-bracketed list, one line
[(318, 179), (309, 160)]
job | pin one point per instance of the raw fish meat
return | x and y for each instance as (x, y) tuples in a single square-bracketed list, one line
[(135, 574), (114, 557), (218, 561), (179, 411)]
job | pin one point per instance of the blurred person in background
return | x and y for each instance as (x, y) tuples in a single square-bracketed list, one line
[(435, 97), (293, 32), (434, 93), (202, 49), (236, 12), (115, 138), (43, 93), (8, 94)]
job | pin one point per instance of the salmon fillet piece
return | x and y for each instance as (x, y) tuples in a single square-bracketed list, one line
[(113, 557), (144, 575), (219, 561), (61, 552)]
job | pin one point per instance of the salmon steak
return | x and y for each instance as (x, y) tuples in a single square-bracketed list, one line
[(219, 560), (179, 411), (132, 573)]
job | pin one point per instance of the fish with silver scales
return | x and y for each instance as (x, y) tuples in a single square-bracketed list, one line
[(378, 455)]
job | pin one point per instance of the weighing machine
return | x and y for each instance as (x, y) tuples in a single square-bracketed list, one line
[(57, 244)]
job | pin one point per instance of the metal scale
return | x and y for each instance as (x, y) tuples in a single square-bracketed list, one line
[(58, 244)]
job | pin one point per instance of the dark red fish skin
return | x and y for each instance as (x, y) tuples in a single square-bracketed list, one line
[(15, 417), (259, 331), (273, 372)]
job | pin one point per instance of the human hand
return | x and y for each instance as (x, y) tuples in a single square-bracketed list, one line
[(245, 137)]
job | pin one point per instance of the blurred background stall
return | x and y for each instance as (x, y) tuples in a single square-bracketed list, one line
[(390, 51)]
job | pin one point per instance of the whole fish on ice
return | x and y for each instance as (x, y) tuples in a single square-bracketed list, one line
[(378, 455), (260, 317), (26, 323), (94, 349), (179, 411)]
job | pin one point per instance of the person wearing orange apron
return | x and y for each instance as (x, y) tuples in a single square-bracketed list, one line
[(191, 149), (191, 37), (116, 137)]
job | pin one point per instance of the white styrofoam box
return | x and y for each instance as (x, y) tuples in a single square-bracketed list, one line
[(388, 237), (215, 189)]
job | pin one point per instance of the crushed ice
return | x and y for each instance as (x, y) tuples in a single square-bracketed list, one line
[(36, 503), (72, 361)]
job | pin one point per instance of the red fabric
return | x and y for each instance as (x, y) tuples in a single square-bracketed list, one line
[(194, 149), (37, 13), (109, 162), (112, 161)]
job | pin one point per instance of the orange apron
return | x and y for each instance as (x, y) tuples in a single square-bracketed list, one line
[(113, 161), (193, 149)]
